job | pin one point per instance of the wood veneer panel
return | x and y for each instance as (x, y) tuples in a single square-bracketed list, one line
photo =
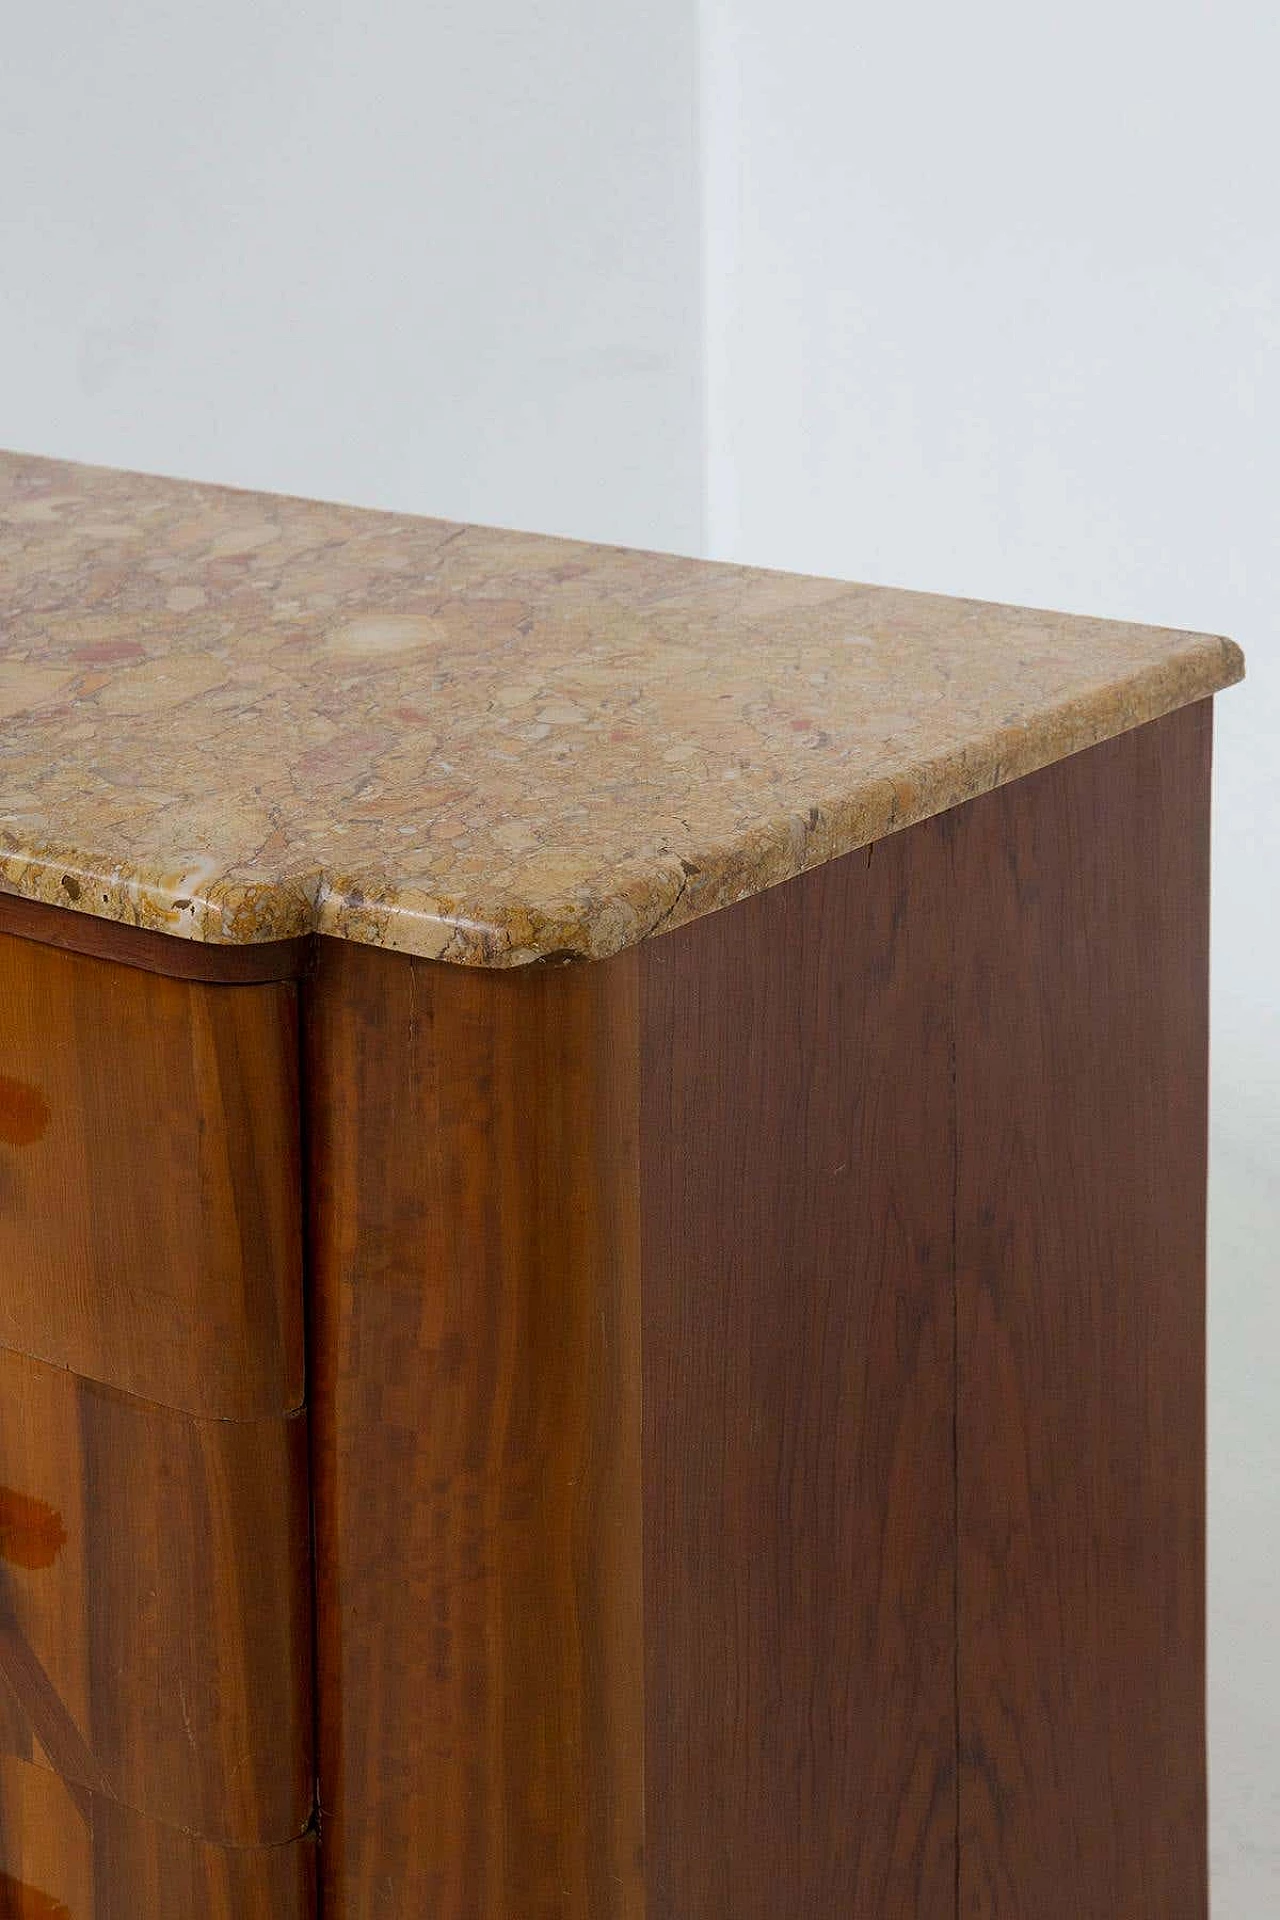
[(60, 1860), (150, 1213), (155, 1604), (1080, 1065), (755, 1178), (477, 1435), (796, 1210), (152, 952)]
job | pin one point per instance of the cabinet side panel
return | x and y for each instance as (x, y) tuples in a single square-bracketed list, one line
[(798, 1361), (1081, 1053), (476, 1411)]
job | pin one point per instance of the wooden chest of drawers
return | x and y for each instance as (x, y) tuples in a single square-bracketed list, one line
[(602, 1307)]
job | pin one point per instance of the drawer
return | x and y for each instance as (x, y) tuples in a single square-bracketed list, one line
[(155, 1616), (150, 1215), (70, 1855)]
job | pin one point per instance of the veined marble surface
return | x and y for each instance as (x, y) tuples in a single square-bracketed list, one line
[(235, 717)]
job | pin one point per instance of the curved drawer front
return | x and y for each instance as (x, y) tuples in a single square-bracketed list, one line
[(150, 1218), (155, 1633), (67, 1855)]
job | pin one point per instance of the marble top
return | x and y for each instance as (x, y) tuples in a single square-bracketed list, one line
[(235, 717)]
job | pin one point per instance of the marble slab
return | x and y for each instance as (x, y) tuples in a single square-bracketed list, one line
[(235, 717)]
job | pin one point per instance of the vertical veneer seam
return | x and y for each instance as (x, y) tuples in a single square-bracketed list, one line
[(304, 988)]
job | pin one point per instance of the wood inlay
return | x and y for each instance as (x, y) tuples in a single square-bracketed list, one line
[(477, 1439), (101, 1861), (155, 1604), (150, 1227), (1080, 1064)]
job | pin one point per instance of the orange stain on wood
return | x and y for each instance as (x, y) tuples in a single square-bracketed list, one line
[(31, 1535), (24, 1115), (20, 1902)]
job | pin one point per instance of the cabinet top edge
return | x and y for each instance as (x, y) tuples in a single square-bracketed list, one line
[(240, 718)]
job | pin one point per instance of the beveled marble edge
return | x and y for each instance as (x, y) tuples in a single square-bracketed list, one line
[(627, 903)]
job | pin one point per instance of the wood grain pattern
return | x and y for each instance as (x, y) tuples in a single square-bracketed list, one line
[(101, 1861), (1080, 1035), (796, 1208), (749, 1374), (477, 1435), (80, 932), (150, 1215), (155, 1604)]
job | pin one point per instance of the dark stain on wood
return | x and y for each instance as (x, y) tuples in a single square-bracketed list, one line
[(31, 1532), (24, 1112)]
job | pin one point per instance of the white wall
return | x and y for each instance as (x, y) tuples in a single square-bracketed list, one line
[(441, 256), (993, 307)]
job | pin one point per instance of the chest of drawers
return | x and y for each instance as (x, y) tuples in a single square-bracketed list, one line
[(601, 1219)]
